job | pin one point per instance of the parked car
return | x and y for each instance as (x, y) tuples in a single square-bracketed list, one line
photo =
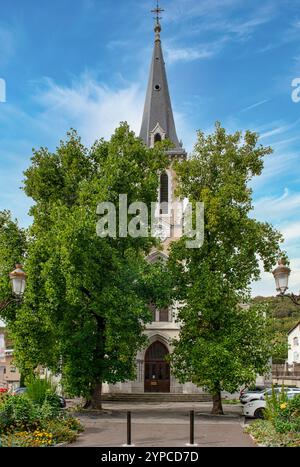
[(19, 391), (253, 396), (22, 390), (255, 408), (246, 390)]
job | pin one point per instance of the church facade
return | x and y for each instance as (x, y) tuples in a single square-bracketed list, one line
[(153, 372)]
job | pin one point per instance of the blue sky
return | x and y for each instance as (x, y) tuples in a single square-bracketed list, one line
[(85, 63)]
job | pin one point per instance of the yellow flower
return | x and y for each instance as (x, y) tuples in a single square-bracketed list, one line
[(283, 406)]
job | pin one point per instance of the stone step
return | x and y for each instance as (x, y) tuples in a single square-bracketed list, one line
[(156, 397)]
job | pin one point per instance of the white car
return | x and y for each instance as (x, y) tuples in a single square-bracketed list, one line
[(253, 396), (255, 408)]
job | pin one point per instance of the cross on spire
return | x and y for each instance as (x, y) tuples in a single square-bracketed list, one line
[(157, 10)]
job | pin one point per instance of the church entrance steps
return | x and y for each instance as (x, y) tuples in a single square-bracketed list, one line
[(156, 397)]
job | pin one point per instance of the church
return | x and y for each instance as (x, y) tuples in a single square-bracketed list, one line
[(153, 371)]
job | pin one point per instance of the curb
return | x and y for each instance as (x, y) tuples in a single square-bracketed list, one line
[(61, 445), (257, 444), (219, 417)]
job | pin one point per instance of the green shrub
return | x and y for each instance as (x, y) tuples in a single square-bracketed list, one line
[(284, 414), (274, 404), (18, 412), (264, 432), (294, 406), (38, 389), (60, 430)]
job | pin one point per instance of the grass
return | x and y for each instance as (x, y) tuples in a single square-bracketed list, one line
[(231, 401)]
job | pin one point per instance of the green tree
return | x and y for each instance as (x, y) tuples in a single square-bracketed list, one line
[(86, 299), (13, 245), (222, 345)]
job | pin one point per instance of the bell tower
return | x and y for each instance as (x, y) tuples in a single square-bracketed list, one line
[(157, 125)]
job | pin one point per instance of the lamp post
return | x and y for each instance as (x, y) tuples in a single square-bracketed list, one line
[(18, 284), (281, 275)]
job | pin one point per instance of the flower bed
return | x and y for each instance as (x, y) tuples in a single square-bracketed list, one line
[(281, 426), (265, 433), (30, 422)]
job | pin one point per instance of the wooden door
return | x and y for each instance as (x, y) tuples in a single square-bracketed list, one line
[(157, 369)]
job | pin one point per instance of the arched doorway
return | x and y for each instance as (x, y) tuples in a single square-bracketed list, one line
[(157, 369)]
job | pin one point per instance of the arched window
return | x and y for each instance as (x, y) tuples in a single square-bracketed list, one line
[(296, 341), (157, 138), (164, 192)]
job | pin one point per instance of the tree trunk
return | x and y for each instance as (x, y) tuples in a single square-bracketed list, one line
[(217, 403), (22, 380), (96, 397)]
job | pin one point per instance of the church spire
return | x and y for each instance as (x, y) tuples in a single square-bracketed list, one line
[(158, 121)]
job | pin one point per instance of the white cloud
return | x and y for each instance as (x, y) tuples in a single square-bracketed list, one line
[(276, 166), (188, 54), (283, 212), (253, 106), (275, 208), (291, 232), (94, 109), (278, 131)]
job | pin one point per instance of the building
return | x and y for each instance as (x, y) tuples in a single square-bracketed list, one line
[(289, 373), (9, 373), (294, 344), (153, 372)]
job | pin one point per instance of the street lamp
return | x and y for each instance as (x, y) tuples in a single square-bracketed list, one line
[(281, 275), (18, 284)]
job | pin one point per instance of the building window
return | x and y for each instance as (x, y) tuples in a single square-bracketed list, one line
[(164, 193), (157, 138), (295, 357), (296, 341), (153, 311), (12, 369), (164, 315)]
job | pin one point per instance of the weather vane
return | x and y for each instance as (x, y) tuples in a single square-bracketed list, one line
[(157, 10)]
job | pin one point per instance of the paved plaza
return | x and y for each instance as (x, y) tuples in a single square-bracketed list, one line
[(163, 425)]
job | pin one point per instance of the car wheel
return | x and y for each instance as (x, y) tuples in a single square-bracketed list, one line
[(259, 413)]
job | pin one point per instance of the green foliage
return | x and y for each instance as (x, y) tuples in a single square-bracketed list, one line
[(284, 414), (13, 245), (18, 412), (264, 433), (86, 304), (49, 433), (274, 404), (38, 389), (50, 408), (24, 423), (286, 315), (222, 346)]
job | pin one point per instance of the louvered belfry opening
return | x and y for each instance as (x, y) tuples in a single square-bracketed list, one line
[(157, 138), (164, 192)]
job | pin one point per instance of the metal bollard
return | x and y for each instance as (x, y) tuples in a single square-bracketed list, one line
[(128, 428), (192, 427)]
